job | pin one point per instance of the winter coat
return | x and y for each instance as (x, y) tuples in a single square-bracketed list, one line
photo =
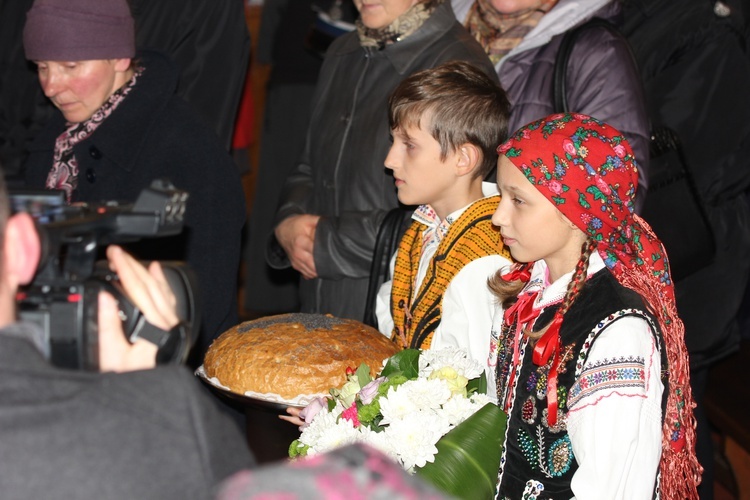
[(210, 45), (154, 134), (602, 80), (141, 434), (696, 74), (341, 176)]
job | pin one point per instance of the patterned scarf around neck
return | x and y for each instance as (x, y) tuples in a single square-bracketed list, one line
[(64, 172), (403, 26), (500, 33)]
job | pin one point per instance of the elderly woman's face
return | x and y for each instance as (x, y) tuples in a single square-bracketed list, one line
[(79, 88), (513, 6), (377, 14)]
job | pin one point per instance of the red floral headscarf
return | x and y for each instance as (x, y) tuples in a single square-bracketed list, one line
[(587, 170)]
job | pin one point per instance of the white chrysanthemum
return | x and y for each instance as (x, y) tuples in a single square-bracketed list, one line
[(411, 396), (414, 438), (335, 436), (396, 404), (322, 431), (480, 399), (434, 359), (427, 394), (458, 409), (378, 440), (322, 421)]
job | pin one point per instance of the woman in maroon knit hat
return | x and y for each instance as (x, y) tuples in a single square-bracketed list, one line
[(120, 127), (589, 354)]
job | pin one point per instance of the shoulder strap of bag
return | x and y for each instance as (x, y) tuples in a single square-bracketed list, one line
[(559, 89), (386, 243)]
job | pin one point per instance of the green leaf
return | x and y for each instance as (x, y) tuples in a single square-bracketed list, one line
[(477, 385), (297, 449), (363, 375), (469, 456), (367, 413), (406, 362), (393, 380)]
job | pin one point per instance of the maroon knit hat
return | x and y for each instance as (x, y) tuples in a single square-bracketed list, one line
[(79, 30)]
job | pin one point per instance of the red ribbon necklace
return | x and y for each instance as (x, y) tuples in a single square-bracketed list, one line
[(548, 346)]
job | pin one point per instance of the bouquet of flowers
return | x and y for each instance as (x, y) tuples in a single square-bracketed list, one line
[(426, 409)]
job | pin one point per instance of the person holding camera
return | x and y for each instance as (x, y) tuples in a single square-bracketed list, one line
[(119, 126), (133, 430)]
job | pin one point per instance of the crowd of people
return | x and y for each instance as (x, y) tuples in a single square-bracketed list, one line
[(524, 243)]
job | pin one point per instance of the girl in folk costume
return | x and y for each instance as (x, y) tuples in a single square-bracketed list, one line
[(589, 354)]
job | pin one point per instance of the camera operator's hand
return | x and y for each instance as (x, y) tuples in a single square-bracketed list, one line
[(116, 354), (149, 291)]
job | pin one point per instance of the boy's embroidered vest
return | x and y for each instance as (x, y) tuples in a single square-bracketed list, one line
[(538, 461), (471, 236)]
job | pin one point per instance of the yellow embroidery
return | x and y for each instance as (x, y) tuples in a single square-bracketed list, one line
[(416, 316)]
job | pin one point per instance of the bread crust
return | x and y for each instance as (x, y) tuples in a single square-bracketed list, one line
[(294, 354)]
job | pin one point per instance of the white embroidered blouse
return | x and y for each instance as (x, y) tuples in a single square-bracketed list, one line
[(614, 428)]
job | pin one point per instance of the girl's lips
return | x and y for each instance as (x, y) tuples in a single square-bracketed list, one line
[(508, 241), (398, 182)]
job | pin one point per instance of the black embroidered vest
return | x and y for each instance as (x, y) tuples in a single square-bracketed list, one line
[(538, 461)]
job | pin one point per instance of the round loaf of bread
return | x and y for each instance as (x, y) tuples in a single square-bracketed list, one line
[(294, 354)]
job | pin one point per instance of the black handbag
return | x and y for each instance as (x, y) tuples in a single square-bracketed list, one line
[(673, 205), (389, 236)]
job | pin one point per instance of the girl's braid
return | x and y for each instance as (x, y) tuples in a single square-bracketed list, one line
[(579, 276)]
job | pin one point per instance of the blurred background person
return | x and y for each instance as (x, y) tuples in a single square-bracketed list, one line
[(209, 43), (696, 75), (522, 38), (287, 39)]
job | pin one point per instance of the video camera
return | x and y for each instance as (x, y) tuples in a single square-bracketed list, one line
[(63, 297)]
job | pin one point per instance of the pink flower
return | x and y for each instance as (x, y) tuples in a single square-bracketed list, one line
[(555, 187), (368, 392), (312, 409), (603, 186), (569, 147), (351, 414), (619, 150)]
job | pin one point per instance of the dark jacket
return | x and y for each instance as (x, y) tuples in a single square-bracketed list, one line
[(341, 175), (697, 76), (154, 134), (144, 434), (284, 27), (209, 43), (602, 79)]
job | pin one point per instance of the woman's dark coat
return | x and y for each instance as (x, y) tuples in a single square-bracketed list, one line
[(341, 176), (154, 134)]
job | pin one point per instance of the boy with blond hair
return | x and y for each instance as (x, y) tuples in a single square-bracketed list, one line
[(446, 124)]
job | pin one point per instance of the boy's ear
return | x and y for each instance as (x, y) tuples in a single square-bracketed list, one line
[(468, 156)]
